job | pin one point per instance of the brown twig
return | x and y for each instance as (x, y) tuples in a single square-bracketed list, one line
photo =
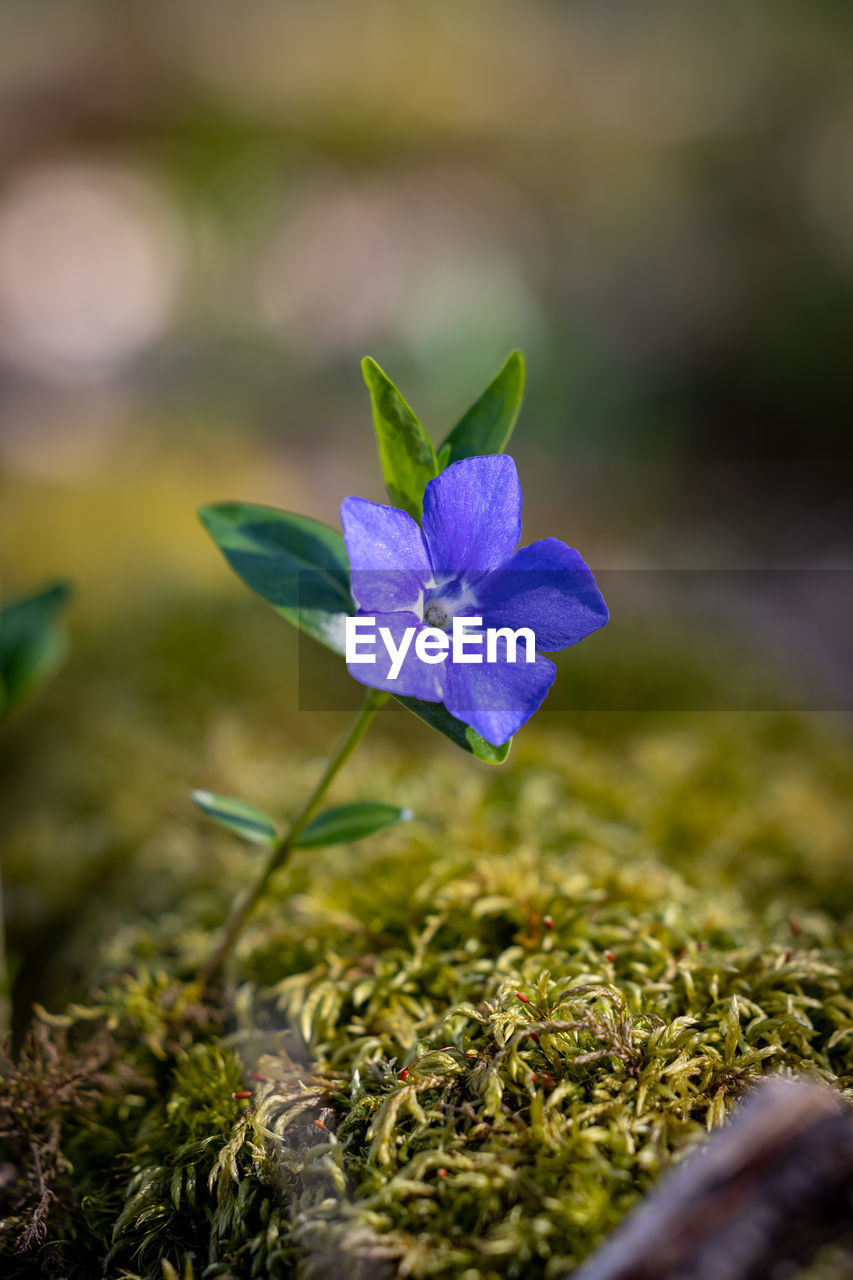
[(762, 1196)]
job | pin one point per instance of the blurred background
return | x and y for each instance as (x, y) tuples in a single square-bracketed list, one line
[(210, 211)]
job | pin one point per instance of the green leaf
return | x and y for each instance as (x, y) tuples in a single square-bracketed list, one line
[(443, 456), (438, 717), (297, 564), (405, 450), (244, 820), (488, 424), (350, 822), (33, 643)]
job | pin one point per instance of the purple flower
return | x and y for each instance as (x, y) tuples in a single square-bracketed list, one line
[(462, 562)]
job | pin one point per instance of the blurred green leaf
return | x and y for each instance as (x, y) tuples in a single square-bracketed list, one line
[(297, 564), (244, 820), (405, 450), (350, 822), (438, 717), (488, 424), (33, 643)]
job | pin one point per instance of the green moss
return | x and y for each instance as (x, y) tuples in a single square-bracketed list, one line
[(695, 870), (673, 911)]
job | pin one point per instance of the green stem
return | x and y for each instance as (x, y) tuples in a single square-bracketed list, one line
[(281, 850)]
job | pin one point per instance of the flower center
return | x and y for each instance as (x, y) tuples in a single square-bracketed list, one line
[(446, 600), (438, 614)]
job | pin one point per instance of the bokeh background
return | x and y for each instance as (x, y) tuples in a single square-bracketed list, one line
[(210, 211)]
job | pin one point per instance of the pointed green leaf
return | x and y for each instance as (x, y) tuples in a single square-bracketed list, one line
[(297, 564), (488, 424), (405, 450), (350, 822), (242, 819), (33, 643), (443, 456), (438, 717)]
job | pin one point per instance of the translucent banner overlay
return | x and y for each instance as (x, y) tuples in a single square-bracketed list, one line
[(677, 640)]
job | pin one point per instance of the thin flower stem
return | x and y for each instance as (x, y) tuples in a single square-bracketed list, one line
[(280, 852)]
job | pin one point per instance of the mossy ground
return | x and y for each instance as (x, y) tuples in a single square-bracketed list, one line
[(472, 1043), (671, 895)]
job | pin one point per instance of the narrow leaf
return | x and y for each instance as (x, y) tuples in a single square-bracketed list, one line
[(405, 450), (350, 822), (244, 820), (488, 424), (297, 564), (443, 456), (438, 717)]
